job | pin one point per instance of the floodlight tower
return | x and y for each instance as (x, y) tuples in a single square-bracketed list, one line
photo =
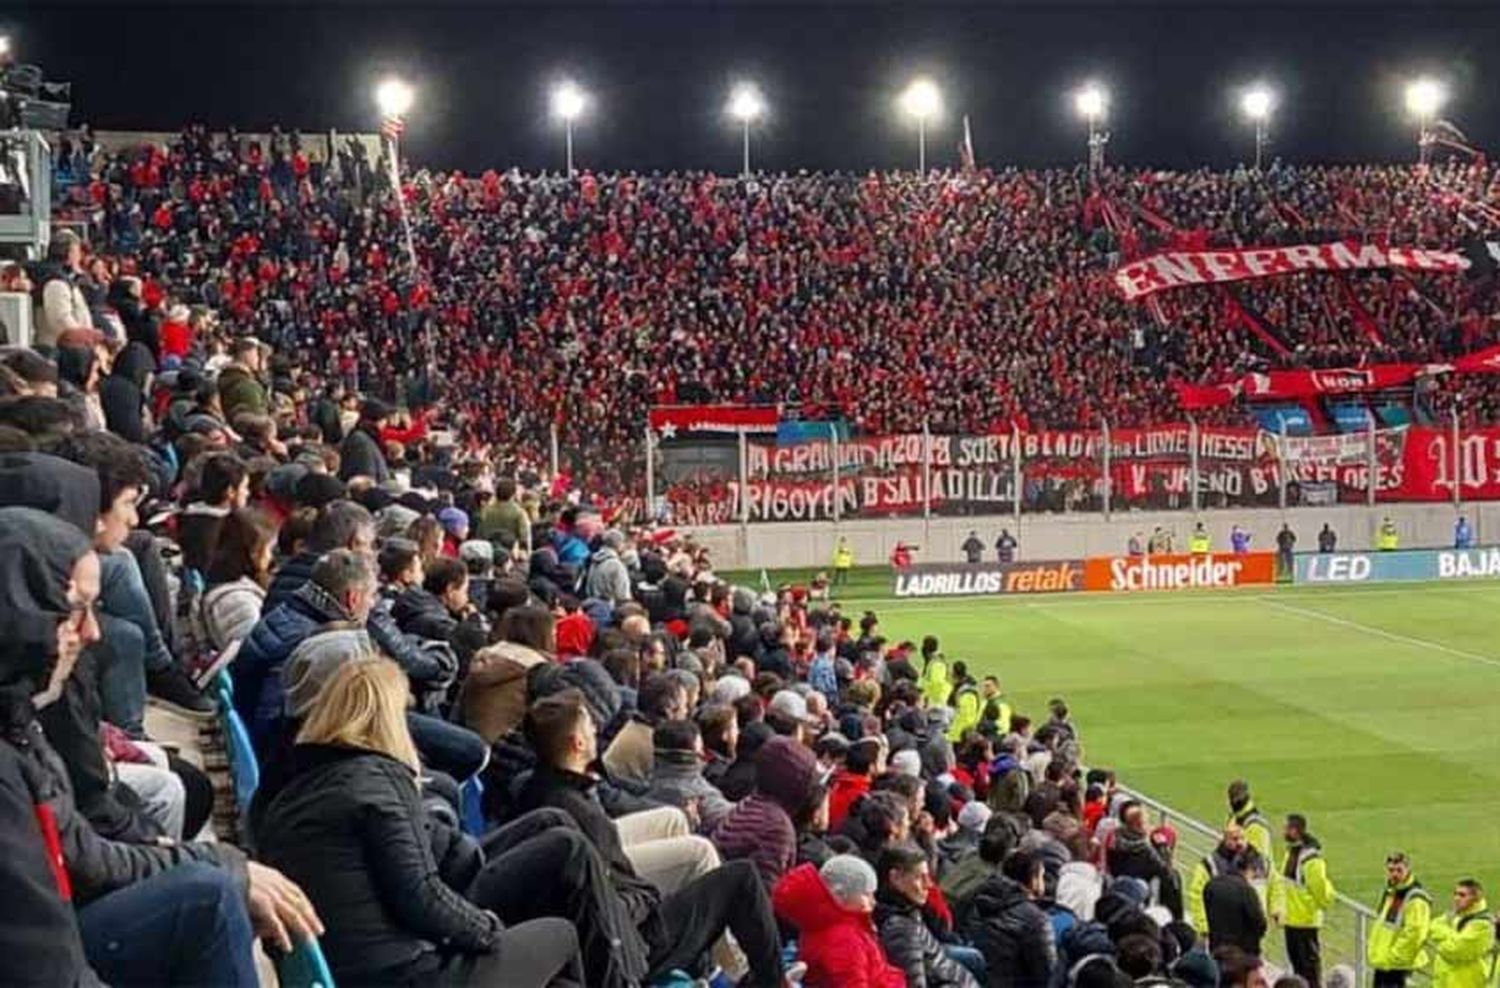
[(746, 105), (922, 101), (1092, 104), (568, 103)]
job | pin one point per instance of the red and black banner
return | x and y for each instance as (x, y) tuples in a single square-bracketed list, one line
[(1182, 269)]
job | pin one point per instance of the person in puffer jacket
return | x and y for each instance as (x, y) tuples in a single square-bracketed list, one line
[(763, 827), (342, 589), (1009, 928), (904, 884), (830, 908)]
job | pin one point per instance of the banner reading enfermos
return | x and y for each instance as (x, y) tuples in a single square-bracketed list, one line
[(960, 580)]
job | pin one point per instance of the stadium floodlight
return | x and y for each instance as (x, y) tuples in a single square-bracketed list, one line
[(568, 103), (394, 98), (1091, 101), (1425, 96), (1256, 103), (747, 105), (4, 45), (922, 101)]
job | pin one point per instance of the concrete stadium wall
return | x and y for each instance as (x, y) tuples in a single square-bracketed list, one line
[(810, 544)]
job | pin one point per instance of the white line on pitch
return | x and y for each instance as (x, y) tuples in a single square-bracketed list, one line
[(1372, 630)]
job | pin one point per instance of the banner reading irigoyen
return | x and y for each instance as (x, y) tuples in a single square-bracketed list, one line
[(1218, 570)]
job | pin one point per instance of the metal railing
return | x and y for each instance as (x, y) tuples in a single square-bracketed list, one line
[(1346, 923)]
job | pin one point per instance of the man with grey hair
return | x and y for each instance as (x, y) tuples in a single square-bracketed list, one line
[(345, 525), (341, 589), (340, 594)]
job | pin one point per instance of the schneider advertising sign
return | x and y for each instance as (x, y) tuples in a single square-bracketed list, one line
[(961, 580), (1385, 567), (1214, 571)]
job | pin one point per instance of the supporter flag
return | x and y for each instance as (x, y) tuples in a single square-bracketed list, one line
[(966, 147), (1486, 361), (1443, 132), (669, 420), (391, 128), (1195, 396), (1237, 313)]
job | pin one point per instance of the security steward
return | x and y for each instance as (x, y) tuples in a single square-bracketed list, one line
[(1402, 925), (1300, 891), (1220, 862)]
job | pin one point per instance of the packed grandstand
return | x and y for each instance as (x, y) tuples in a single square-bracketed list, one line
[(269, 472)]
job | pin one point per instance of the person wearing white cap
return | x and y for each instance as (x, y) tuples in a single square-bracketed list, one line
[(830, 908), (964, 840), (907, 762), (788, 715)]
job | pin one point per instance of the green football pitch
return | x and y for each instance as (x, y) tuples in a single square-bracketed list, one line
[(1373, 710)]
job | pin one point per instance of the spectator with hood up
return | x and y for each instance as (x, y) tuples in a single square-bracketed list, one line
[(80, 908)]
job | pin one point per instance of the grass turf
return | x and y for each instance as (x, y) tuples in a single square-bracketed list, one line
[(1374, 710)]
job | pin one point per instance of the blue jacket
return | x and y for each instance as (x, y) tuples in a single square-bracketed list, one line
[(823, 677), (572, 551), (433, 666), (258, 692)]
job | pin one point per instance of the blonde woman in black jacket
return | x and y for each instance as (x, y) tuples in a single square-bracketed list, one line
[(349, 824)]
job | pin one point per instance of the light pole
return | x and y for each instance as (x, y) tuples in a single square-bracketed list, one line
[(1092, 104), (922, 101), (394, 97), (746, 105), (1256, 103), (568, 103), (1425, 96)]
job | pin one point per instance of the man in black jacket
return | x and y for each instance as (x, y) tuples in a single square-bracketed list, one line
[(1133, 854), (1009, 928), (675, 931), (905, 882), (360, 454), (1235, 915)]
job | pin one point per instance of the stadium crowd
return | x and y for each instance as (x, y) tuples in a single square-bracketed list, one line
[(971, 301), (222, 460), (679, 778)]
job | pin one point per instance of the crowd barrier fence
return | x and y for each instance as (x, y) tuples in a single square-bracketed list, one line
[(1347, 923)]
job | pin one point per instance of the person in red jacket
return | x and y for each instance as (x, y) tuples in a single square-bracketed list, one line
[(852, 781), (831, 910)]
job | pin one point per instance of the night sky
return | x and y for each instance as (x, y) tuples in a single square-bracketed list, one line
[(660, 74)]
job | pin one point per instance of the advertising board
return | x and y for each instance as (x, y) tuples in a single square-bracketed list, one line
[(1407, 565), (960, 580), (1217, 570)]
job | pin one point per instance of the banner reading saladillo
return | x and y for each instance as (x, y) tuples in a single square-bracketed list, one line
[(884, 476), (1179, 269), (881, 476)]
